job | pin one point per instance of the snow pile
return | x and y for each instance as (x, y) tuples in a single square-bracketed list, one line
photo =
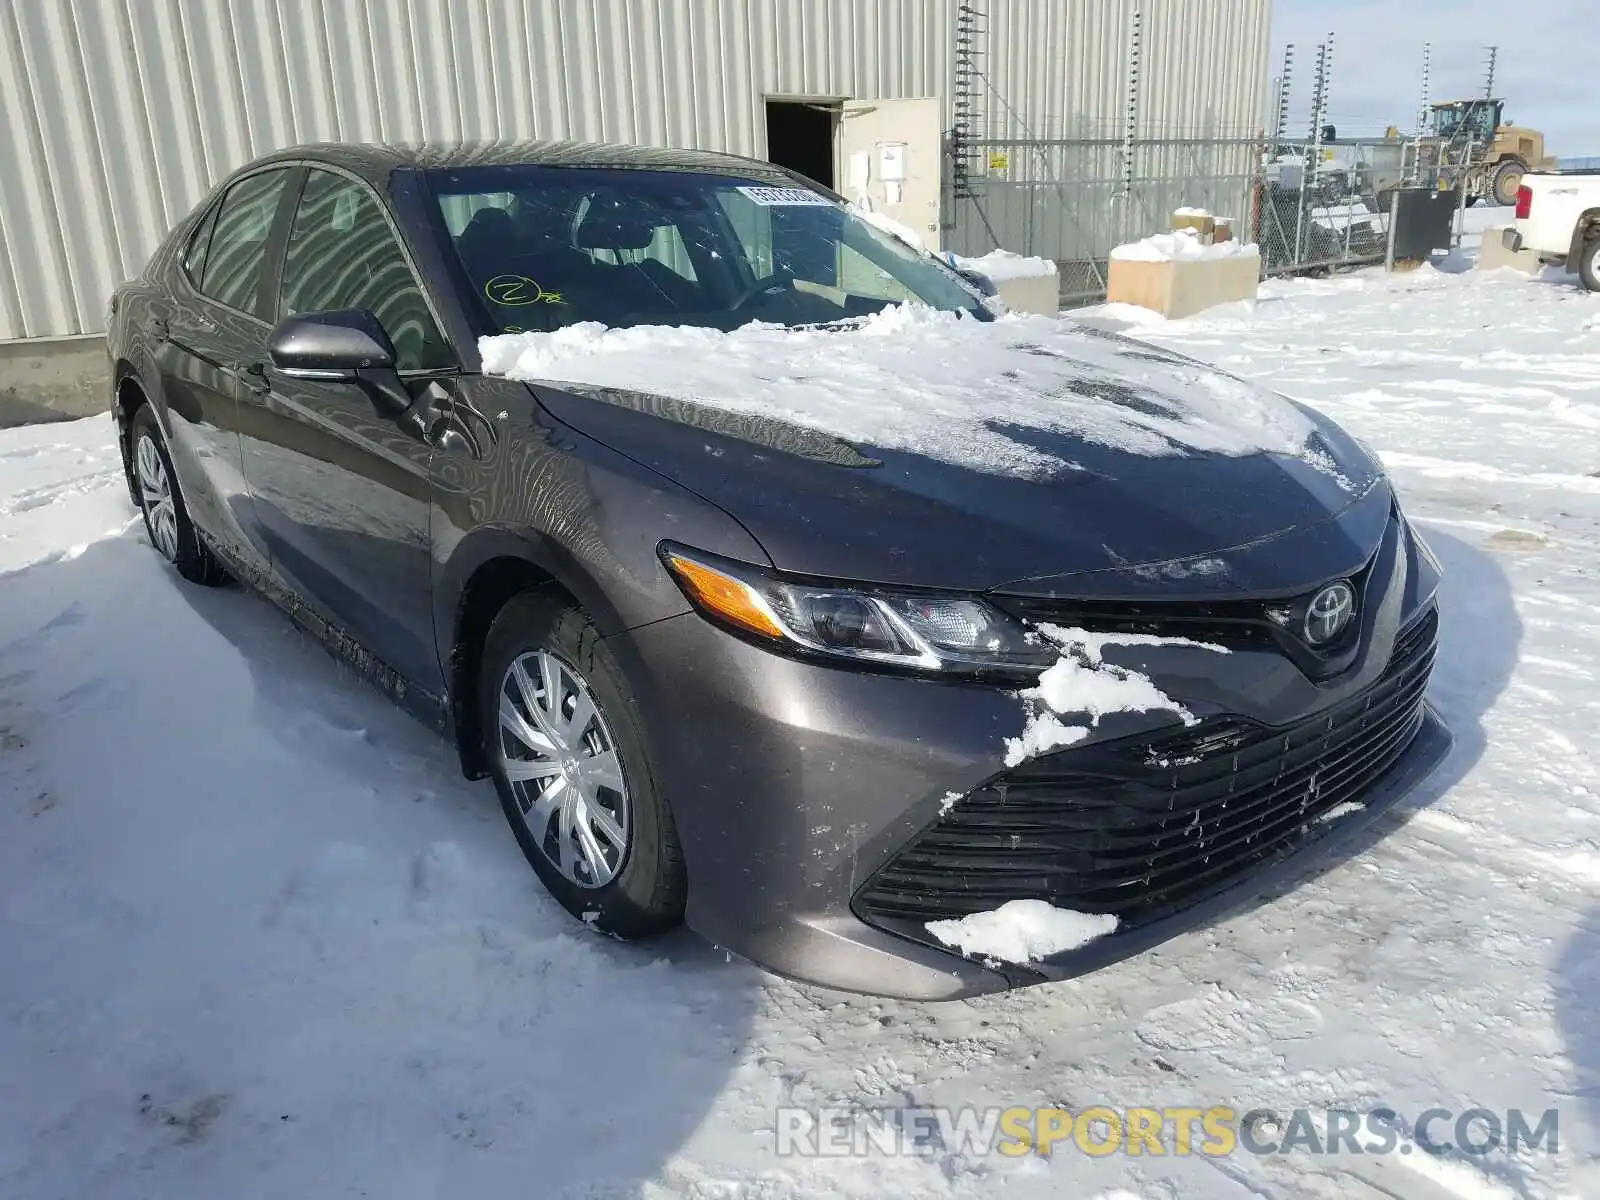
[(1001, 265), (1022, 931), (939, 384), (1082, 684), (1182, 245), (1191, 212)]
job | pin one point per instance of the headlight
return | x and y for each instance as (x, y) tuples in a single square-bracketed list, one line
[(907, 630)]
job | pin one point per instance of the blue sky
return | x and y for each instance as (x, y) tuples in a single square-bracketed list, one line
[(1546, 66)]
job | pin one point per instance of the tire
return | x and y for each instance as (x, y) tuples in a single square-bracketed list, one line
[(1589, 263), (166, 517), (547, 637), (1507, 179)]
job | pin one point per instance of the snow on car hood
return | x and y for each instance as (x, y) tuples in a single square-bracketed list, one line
[(944, 385)]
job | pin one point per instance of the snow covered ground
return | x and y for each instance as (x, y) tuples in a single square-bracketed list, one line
[(259, 939)]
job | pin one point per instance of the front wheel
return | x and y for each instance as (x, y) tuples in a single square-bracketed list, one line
[(166, 517), (1507, 179), (1589, 264), (567, 750)]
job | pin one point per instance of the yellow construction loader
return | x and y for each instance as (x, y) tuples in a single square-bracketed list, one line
[(1469, 139)]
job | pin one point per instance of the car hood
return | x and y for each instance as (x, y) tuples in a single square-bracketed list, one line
[(1108, 520)]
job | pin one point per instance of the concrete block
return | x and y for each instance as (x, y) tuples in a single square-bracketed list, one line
[(1495, 253), (1183, 287), (1031, 294), (46, 379)]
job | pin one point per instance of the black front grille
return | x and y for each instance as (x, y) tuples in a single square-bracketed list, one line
[(1235, 624), (1143, 826)]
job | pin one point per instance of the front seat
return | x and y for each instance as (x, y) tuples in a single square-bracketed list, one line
[(642, 285), (486, 244)]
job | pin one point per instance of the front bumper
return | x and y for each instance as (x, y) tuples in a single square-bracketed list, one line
[(791, 797), (794, 785), (790, 784), (1428, 749)]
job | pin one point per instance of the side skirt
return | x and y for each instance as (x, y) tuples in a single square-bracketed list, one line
[(421, 704)]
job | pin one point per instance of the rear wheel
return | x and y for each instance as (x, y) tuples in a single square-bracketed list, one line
[(1589, 264), (1507, 179), (166, 518), (565, 745)]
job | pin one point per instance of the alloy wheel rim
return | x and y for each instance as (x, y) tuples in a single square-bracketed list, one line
[(155, 490), (558, 755)]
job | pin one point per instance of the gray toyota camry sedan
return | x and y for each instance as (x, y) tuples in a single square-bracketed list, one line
[(781, 582)]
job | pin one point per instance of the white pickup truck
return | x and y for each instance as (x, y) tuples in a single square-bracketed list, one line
[(1558, 218)]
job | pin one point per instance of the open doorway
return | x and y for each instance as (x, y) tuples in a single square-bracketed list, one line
[(800, 136)]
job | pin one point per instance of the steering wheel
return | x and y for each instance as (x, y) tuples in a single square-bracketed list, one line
[(761, 286)]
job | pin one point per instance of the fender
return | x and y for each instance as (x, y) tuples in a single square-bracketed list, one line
[(458, 625), (1581, 228), (535, 500), (546, 528), (137, 366), (504, 541)]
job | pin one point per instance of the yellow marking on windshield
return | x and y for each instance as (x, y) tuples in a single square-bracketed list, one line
[(515, 291)]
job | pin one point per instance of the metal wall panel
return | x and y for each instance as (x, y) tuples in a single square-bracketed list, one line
[(117, 116), (1059, 68)]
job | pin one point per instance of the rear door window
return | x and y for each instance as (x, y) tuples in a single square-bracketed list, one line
[(194, 256), (343, 254), (236, 255)]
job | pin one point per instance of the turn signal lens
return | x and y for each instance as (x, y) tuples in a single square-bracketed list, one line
[(723, 596)]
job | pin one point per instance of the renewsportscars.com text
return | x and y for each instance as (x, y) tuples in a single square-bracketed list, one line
[(1215, 1132)]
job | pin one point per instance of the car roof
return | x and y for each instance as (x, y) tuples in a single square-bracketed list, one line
[(376, 161)]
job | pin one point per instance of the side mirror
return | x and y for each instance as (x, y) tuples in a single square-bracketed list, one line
[(330, 345), (977, 279), (348, 346)]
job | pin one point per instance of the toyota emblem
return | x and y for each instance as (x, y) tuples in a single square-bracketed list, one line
[(1330, 613)]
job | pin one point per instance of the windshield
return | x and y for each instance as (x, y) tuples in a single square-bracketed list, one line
[(544, 247), (1478, 119)]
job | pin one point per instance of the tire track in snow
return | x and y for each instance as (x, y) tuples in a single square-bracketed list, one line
[(1579, 865), (39, 497)]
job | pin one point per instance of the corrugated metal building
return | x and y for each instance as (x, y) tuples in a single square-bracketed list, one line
[(116, 116)]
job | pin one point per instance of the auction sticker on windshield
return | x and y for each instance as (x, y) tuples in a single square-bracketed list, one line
[(771, 196)]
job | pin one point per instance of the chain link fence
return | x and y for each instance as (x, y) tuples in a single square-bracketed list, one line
[(1072, 199), (1323, 206)]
